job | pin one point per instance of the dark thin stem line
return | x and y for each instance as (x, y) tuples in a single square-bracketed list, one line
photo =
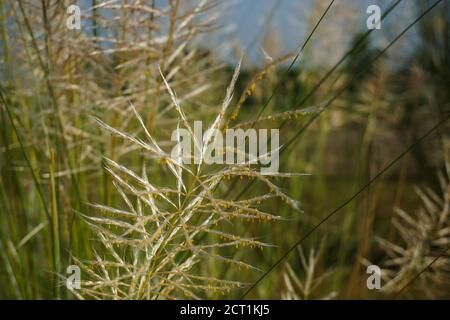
[(345, 87), (421, 272), (355, 47), (371, 180), (348, 53), (277, 87), (294, 61), (393, 162)]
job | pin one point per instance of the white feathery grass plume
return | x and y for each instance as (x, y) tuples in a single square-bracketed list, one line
[(218, 121), (154, 244)]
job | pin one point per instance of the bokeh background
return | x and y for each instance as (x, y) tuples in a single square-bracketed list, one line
[(386, 93)]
